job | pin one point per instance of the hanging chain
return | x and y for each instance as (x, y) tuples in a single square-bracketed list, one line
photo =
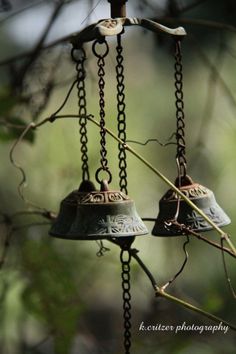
[(121, 117), (179, 103), (125, 258), (101, 84), (79, 56)]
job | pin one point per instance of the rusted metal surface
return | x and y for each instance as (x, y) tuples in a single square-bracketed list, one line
[(115, 26), (95, 215), (171, 208)]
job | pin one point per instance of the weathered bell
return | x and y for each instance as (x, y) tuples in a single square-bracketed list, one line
[(68, 210), (199, 195), (98, 215)]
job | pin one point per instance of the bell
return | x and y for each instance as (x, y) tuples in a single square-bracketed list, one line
[(94, 215), (68, 209), (170, 208)]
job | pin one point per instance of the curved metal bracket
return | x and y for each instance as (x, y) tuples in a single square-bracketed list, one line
[(114, 26)]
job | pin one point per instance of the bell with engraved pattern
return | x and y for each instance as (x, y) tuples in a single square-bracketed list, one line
[(171, 206), (68, 210), (95, 215)]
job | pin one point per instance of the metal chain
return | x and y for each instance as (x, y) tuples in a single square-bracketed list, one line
[(125, 258), (101, 84), (121, 116), (81, 74), (179, 104)]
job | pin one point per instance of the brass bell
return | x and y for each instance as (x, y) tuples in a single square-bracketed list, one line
[(94, 215), (170, 208)]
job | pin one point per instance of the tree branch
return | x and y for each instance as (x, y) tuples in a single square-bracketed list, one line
[(35, 52), (205, 23), (215, 73), (52, 118), (161, 293), (23, 9)]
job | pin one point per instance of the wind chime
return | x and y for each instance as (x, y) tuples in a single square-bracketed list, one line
[(171, 207), (91, 214)]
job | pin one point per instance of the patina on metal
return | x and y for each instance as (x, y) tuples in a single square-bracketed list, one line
[(173, 210), (68, 209), (171, 207), (96, 215), (115, 26)]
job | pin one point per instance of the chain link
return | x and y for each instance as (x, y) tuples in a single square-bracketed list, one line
[(125, 258), (179, 104), (121, 116), (81, 74), (101, 84)]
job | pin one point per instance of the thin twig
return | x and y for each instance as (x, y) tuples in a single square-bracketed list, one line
[(161, 293), (188, 231), (151, 167), (226, 271), (215, 73), (21, 137), (90, 12), (56, 85), (23, 9), (169, 183), (215, 25), (23, 181), (151, 141), (210, 100), (182, 267), (35, 52), (209, 24), (45, 214), (66, 98), (197, 235), (134, 254), (191, 307), (33, 224), (28, 53)]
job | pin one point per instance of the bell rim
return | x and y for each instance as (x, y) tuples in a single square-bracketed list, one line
[(94, 237), (225, 222)]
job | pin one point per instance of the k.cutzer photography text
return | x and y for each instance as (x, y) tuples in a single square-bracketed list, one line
[(183, 327)]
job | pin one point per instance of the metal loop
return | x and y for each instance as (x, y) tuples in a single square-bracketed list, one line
[(104, 170), (96, 53), (78, 54), (125, 253)]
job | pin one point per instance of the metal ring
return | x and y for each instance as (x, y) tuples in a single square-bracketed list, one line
[(78, 50), (105, 170), (95, 51)]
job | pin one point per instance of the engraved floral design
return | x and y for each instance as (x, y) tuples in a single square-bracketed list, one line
[(193, 191), (102, 197), (122, 224), (196, 221)]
